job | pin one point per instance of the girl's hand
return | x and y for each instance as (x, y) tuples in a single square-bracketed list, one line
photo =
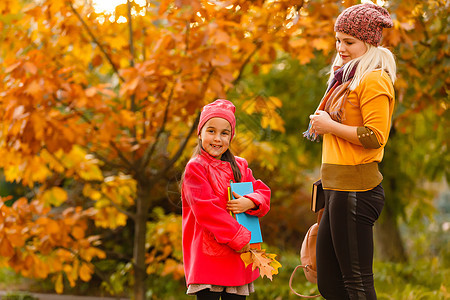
[(246, 248), (321, 122), (240, 204)]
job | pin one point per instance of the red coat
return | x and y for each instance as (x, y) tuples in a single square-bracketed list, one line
[(211, 235)]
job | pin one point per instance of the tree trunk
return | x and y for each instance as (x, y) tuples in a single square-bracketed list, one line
[(388, 242), (140, 229)]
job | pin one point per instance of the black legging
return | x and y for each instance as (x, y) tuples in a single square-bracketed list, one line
[(345, 244), (206, 294)]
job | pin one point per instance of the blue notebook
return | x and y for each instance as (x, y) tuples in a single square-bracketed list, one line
[(248, 221)]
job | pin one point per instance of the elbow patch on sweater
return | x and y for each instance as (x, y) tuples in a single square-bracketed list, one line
[(368, 138)]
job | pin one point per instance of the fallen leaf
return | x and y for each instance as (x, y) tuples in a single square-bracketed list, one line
[(265, 262)]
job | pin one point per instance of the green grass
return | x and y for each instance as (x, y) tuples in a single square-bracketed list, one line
[(18, 296), (9, 279)]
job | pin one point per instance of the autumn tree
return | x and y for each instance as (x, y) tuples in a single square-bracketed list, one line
[(418, 147), (98, 109)]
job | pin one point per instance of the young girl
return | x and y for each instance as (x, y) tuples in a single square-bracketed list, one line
[(354, 118), (212, 239)]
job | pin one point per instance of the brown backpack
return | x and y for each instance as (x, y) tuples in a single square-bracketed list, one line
[(308, 256)]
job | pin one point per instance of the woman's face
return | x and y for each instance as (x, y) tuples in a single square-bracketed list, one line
[(349, 47), (215, 136)]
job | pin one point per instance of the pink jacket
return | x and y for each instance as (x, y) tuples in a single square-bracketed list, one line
[(211, 236)]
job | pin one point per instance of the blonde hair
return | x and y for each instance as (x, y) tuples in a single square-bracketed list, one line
[(375, 58)]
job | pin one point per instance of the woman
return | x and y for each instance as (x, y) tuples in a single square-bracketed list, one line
[(354, 119)]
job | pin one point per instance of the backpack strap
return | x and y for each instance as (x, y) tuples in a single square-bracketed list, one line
[(290, 283)]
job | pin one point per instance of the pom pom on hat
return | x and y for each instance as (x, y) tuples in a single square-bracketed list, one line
[(365, 22), (218, 109)]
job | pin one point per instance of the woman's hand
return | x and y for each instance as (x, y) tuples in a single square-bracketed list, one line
[(240, 204), (321, 122)]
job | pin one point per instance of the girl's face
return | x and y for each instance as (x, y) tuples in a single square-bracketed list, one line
[(215, 136), (349, 47)]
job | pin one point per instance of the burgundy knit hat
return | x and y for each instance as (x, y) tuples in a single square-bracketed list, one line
[(218, 109), (365, 22)]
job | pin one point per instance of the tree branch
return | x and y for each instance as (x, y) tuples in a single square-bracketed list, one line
[(148, 154), (94, 39), (120, 209), (97, 272), (186, 40), (177, 155), (130, 32), (131, 42), (258, 44), (80, 179), (119, 152), (87, 120), (247, 60)]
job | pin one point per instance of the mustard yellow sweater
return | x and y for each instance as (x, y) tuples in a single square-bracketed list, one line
[(350, 167)]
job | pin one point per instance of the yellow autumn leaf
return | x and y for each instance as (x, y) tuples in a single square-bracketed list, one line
[(91, 252), (90, 192), (265, 262), (74, 157), (275, 101), (72, 272), (40, 268), (77, 232), (274, 121), (170, 266), (259, 258), (274, 264), (110, 217), (6, 249), (53, 163), (59, 287), (322, 44), (127, 118), (298, 43), (265, 68), (54, 196), (16, 237), (121, 11), (249, 107), (12, 173), (55, 264), (90, 172), (247, 258), (85, 272)]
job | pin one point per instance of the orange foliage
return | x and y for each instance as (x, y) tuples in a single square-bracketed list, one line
[(265, 262), (38, 243), (87, 97)]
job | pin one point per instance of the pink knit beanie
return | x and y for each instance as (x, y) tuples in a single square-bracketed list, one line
[(365, 22), (218, 109)]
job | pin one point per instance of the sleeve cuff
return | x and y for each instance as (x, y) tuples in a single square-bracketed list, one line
[(367, 138), (241, 238)]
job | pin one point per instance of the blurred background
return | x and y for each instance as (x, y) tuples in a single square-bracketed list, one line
[(99, 104)]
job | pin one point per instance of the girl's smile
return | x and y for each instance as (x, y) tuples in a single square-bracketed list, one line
[(215, 136)]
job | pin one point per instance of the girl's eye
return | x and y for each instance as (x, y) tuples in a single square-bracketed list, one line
[(225, 133)]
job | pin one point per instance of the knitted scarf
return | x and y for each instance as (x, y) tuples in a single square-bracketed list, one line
[(334, 99)]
